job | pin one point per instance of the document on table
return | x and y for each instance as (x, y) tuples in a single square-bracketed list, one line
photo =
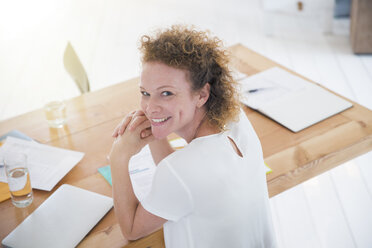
[(290, 100), (268, 86), (47, 164), (141, 171)]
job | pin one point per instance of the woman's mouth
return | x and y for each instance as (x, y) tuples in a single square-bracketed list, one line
[(159, 121)]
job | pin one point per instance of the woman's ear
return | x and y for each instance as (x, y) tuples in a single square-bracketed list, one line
[(203, 95)]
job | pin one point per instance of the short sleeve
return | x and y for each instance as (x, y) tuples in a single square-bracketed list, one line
[(169, 197), (244, 136)]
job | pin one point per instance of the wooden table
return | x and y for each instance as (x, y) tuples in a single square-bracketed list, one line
[(293, 157)]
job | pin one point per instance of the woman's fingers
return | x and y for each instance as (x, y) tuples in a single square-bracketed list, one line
[(131, 122), (124, 124), (120, 128), (139, 113), (146, 132), (148, 139), (136, 121), (143, 127), (117, 128), (115, 133)]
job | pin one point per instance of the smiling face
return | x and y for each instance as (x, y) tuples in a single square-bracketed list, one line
[(168, 101)]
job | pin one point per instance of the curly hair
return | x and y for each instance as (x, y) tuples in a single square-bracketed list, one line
[(205, 60)]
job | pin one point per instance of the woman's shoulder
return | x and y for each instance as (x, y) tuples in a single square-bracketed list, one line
[(242, 123), (243, 133), (195, 150)]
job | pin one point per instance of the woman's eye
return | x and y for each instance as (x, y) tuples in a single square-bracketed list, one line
[(166, 93), (144, 93)]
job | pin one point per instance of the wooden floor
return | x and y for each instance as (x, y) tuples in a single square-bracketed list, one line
[(332, 210)]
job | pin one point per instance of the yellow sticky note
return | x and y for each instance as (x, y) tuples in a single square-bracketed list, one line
[(4, 189), (268, 169), (4, 192)]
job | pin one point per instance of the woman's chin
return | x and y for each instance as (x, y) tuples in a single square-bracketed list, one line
[(159, 135)]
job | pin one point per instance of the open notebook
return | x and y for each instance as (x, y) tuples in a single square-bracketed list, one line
[(290, 100), (62, 220)]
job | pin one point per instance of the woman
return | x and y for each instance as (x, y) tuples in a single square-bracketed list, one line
[(213, 192)]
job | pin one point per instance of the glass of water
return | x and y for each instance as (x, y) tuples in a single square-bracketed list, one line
[(55, 113), (18, 179)]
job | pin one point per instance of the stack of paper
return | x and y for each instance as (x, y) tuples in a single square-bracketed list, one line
[(47, 165)]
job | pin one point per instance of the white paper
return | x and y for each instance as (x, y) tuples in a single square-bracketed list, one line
[(290, 100), (47, 164), (141, 171), (268, 86), (142, 168)]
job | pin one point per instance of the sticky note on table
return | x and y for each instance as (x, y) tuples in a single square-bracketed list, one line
[(106, 173), (4, 192)]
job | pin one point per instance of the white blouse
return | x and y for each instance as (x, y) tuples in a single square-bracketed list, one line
[(211, 196)]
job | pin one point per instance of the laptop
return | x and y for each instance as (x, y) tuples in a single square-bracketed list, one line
[(62, 220)]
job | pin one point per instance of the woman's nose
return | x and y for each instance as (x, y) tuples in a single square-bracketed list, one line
[(153, 106)]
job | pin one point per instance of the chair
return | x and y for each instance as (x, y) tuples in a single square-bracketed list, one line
[(76, 70)]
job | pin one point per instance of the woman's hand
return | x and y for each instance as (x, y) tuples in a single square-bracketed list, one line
[(132, 135), (127, 123)]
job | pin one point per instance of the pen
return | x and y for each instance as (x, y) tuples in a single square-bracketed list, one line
[(255, 90)]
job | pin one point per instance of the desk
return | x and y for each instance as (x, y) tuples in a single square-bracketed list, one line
[(293, 157)]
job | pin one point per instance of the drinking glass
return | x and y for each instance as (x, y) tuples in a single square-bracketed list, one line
[(55, 113), (18, 179)]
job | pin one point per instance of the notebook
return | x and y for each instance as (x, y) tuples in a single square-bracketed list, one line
[(62, 220), (290, 100)]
